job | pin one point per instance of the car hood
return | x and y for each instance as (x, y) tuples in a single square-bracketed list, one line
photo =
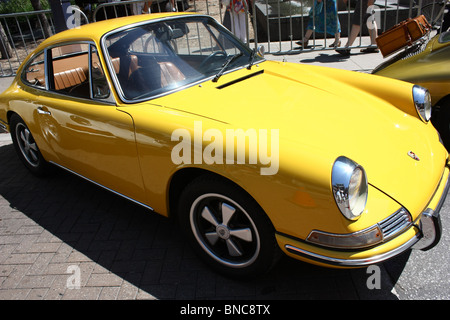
[(322, 114)]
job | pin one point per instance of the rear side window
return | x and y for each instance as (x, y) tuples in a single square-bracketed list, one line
[(70, 68), (76, 71), (34, 72)]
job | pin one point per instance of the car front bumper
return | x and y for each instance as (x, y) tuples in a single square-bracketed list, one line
[(424, 233)]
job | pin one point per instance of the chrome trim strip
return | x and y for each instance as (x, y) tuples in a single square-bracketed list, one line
[(46, 71), (100, 185), (352, 262), (2, 126)]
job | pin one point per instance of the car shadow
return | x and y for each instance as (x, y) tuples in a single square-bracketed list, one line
[(326, 58), (332, 57), (148, 250)]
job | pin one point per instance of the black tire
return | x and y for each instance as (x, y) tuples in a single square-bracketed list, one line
[(26, 147), (441, 121), (227, 228)]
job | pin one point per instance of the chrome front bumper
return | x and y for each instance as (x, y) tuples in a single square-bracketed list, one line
[(430, 224), (431, 230)]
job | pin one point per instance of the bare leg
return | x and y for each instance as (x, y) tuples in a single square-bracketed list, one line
[(353, 34), (305, 40)]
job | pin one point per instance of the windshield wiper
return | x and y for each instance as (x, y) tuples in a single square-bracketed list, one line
[(252, 58), (225, 66)]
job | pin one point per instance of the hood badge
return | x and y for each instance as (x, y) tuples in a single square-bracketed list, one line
[(413, 155)]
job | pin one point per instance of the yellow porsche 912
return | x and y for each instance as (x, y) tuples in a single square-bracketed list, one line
[(254, 158)]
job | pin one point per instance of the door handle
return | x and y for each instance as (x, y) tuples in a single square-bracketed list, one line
[(40, 110)]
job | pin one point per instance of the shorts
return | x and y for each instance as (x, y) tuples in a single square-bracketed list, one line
[(361, 7)]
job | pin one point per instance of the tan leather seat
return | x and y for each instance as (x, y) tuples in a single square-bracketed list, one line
[(170, 73), (133, 64), (69, 78)]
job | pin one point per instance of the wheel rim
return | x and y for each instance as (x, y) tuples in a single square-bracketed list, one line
[(224, 230), (27, 145)]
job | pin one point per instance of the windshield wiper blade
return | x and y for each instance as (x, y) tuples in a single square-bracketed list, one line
[(225, 66), (252, 59)]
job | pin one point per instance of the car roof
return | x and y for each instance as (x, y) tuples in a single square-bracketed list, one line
[(94, 31)]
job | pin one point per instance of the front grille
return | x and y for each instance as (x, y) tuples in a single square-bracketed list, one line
[(395, 224)]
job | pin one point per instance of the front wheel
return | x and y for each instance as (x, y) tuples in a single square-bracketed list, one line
[(227, 228)]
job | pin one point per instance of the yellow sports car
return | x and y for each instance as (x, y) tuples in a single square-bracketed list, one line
[(428, 65), (253, 157)]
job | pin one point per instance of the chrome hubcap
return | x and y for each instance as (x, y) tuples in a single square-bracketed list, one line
[(27, 145), (224, 230)]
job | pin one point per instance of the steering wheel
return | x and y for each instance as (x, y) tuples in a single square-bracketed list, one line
[(211, 57)]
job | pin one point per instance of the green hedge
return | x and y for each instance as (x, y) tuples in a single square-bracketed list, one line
[(14, 6)]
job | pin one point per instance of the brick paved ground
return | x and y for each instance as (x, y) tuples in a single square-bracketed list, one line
[(123, 251), (50, 225)]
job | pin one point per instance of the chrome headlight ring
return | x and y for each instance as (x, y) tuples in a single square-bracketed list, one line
[(422, 102), (349, 187)]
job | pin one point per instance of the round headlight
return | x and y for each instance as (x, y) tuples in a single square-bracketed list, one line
[(349, 186), (422, 101)]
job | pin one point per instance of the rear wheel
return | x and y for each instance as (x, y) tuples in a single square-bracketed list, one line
[(26, 146), (227, 228)]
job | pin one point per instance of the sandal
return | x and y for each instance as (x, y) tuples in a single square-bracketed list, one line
[(333, 45), (303, 44), (370, 50), (344, 52)]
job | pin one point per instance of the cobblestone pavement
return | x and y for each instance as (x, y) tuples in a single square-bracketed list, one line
[(57, 228)]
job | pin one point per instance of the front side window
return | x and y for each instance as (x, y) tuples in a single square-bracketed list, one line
[(162, 56)]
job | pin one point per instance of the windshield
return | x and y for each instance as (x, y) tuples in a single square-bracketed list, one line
[(158, 57), (444, 37)]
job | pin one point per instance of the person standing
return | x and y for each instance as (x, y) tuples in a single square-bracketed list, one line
[(237, 9), (361, 16), (140, 8), (323, 18)]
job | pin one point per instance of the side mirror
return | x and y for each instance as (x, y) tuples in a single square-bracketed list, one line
[(260, 51)]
